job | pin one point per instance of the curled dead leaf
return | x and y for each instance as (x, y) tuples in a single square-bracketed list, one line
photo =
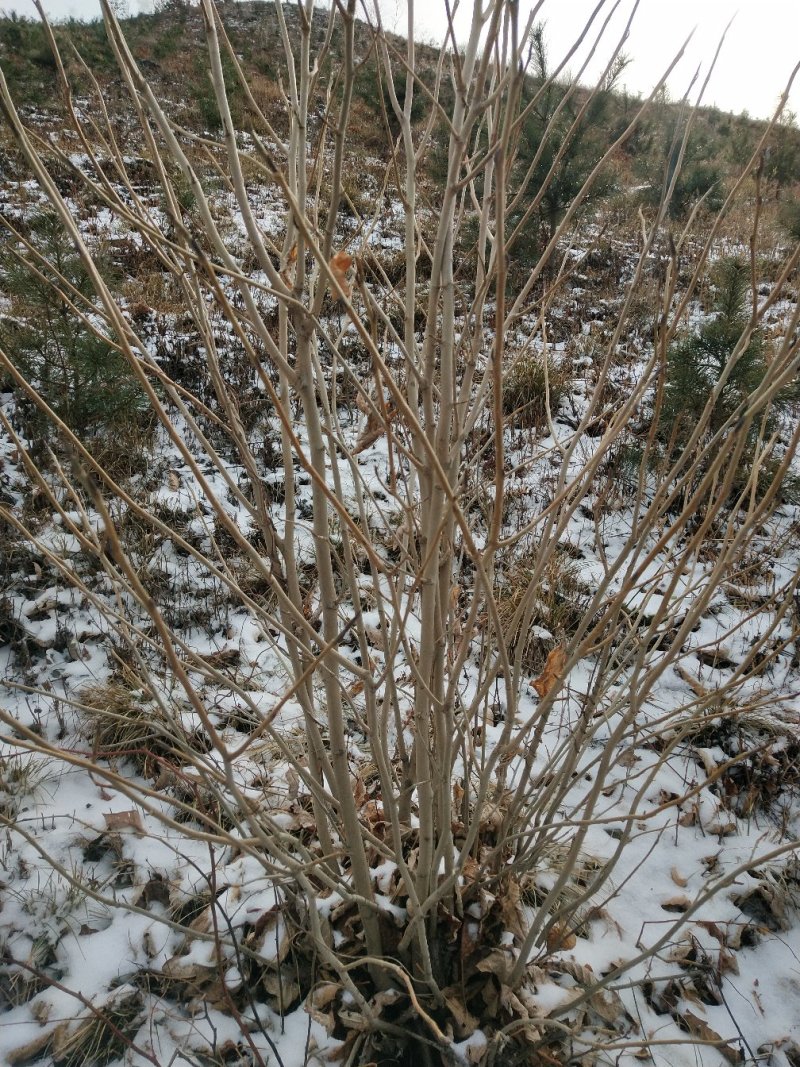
[(714, 930), (678, 878), (676, 904), (377, 426), (689, 817), (727, 963), (560, 938), (465, 1023), (320, 1005), (340, 266), (553, 670), (26, 1053), (699, 1028), (696, 686)]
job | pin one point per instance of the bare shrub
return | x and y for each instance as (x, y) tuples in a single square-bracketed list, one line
[(368, 806)]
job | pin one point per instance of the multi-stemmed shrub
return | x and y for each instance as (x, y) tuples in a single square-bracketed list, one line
[(352, 721)]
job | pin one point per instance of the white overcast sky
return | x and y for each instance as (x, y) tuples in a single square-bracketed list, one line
[(762, 47)]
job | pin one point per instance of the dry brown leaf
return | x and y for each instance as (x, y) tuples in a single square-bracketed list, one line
[(553, 669), (696, 687), (121, 820), (376, 427), (174, 481), (678, 904), (714, 930), (688, 818), (499, 962), (340, 265), (26, 1053), (560, 938), (699, 1028), (319, 1005), (678, 878), (608, 1005), (464, 1021), (727, 964), (721, 829), (284, 989)]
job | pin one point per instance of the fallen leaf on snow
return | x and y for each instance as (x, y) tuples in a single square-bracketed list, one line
[(553, 668), (121, 820), (696, 687), (699, 1028), (678, 878), (677, 904)]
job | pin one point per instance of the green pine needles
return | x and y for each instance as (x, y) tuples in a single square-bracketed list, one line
[(713, 371), (702, 361), (61, 348)]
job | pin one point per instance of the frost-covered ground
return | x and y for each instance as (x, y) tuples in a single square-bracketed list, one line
[(111, 895)]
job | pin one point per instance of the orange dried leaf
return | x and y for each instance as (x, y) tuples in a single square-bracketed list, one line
[(553, 669), (678, 878), (560, 937), (291, 265), (694, 684), (340, 264)]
